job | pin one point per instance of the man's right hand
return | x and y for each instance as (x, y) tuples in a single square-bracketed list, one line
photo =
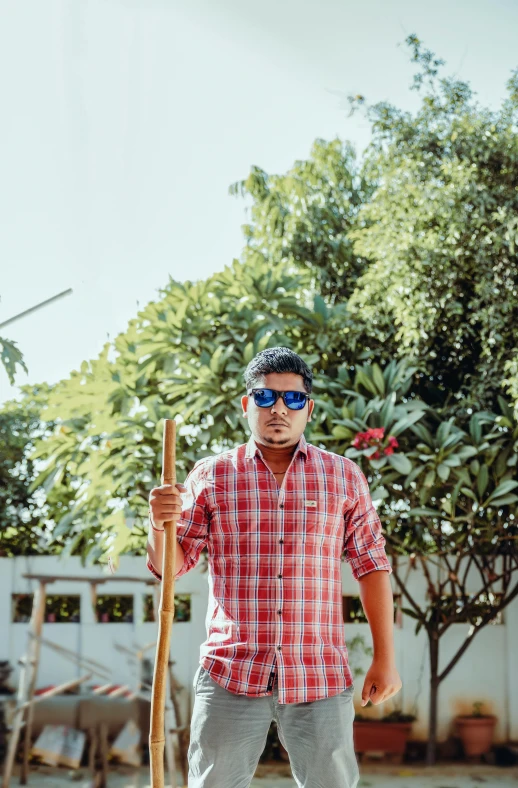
[(165, 503)]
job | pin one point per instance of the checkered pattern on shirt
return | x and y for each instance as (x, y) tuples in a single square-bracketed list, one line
[(275, 587)]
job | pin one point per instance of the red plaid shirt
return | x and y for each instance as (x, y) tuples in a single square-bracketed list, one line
[(275, 585)]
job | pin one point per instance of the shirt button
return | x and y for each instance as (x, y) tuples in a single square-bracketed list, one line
[(279, 612), (279, 648), (279, 576), (281, 506), (281, 541)]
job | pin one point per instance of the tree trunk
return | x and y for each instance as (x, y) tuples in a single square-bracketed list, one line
[(431, 749)]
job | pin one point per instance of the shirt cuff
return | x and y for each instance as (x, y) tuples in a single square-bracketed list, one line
[(152, 569), (360, 568)]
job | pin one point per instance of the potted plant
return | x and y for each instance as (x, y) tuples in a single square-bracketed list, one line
[(389, 733), (476, 731)]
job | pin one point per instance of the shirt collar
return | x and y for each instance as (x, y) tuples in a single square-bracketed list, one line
[(252, 449)]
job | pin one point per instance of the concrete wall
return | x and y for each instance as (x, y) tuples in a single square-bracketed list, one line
[(487, 672)]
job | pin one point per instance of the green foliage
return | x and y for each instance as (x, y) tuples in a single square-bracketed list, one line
[(182, 357), (441, 232), (304, 218), (11, 357), (23, 515), (395, 279), (418, 241)]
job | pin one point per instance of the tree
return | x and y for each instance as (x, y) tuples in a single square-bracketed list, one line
[(303, 218), (420, 242), (445, 498), (182, 357), (24, 527)]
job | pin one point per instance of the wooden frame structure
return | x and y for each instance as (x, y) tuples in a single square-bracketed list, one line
[(25, 699)]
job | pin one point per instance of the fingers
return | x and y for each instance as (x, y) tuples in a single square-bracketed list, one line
[(376, 696), (169, 489), (368, 690), (166, 503)]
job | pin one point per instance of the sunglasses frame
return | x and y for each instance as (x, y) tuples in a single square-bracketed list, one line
[(279, 394)]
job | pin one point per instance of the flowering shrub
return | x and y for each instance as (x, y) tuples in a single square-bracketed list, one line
[(375, 437)]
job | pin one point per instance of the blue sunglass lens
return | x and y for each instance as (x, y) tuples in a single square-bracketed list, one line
[(295, 400), (264, 397)]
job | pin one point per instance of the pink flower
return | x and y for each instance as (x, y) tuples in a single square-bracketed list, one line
[(361, 441), (374, 437)]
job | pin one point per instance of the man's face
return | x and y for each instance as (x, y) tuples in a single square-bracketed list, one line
[(278, 425)]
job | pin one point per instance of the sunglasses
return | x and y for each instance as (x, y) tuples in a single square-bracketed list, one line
[(266, 398)]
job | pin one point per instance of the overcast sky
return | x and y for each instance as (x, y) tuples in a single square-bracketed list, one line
[(124, 124)]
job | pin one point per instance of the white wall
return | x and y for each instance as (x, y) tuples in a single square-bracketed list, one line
[(487, 671)]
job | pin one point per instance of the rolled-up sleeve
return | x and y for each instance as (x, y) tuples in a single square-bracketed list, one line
[(192, 529), (364, 543)]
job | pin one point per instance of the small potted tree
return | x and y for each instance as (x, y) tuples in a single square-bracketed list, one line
[(476, 731)]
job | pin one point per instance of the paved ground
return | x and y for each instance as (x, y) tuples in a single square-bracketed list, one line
[(279, 776)]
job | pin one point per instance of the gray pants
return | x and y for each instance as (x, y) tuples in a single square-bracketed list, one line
[(228, 736)]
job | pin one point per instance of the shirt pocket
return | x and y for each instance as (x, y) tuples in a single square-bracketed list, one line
[(323, 519)]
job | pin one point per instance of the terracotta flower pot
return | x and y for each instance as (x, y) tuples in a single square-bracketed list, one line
[(391, 737), (476, 733)]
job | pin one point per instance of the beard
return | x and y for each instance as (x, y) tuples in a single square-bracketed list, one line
[(278, 442)]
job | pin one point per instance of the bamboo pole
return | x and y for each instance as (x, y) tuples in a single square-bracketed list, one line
[(35, 627), (90, 664), (56, 690), (165, 618)]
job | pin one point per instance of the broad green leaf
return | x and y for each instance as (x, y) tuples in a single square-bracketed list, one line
[(400, 463), (475, 429), (443, 471), (409, 612), (405, 422), (482, 480), (505, 500), (503, 488), (378, 378), (466, 452), (429, 479), (423, 511)]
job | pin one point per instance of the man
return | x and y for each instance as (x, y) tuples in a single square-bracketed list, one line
[(276, 514)]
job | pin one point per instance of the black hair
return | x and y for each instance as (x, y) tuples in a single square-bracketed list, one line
[(276, 359)]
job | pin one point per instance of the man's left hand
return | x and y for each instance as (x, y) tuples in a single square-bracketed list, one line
[(381, 683)]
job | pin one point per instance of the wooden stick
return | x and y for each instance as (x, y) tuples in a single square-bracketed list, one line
[(35, 627), (165, 618), (103, 740), (176, 705), (101, 690), (91, 664), (56, 690)]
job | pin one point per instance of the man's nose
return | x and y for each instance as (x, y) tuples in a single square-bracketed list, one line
[(279, 406)]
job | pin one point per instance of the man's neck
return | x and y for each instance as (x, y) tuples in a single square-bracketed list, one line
[(278, 456)]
